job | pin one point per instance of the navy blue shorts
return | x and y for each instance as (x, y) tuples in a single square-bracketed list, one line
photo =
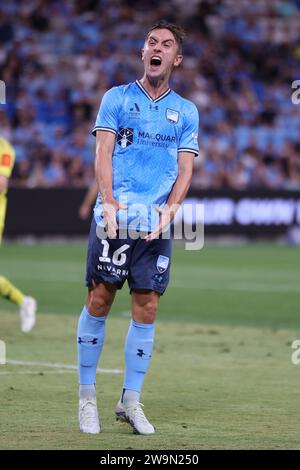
[(145, 265)]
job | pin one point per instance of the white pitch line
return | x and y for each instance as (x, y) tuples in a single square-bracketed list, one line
[(15, 362)]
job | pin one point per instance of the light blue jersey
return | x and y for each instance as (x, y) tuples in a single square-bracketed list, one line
[(149, 135)]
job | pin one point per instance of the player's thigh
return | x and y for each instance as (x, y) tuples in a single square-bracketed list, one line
[(107, 259), (100, 298), (144, 305), (150, 265)]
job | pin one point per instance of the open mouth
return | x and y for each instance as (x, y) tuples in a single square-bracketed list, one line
[(155, 60)]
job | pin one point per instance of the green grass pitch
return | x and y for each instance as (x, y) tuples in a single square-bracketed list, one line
[(221, 376)]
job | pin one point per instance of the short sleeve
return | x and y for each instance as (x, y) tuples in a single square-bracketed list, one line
[(7, 158), (107, 118), (189, 138)]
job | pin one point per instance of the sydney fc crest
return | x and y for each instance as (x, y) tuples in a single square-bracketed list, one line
[(162, 263), (125, 137), (172, 115)]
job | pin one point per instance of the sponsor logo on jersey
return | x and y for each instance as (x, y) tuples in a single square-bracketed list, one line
[(135, 108), (134, 111), (158, 137), (172, 115), (162, 263), (125, 137), (5, 160), (155, 139)]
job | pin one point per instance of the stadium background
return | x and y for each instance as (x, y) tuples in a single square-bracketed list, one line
[(58, 58), (232, 311)]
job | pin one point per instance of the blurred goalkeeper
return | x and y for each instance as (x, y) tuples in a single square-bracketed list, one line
[(7, 289)]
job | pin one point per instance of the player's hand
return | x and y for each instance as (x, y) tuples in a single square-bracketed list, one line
[(84, 211), (110, 209), (166, 216)]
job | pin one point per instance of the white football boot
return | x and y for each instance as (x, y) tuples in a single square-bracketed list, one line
[(133, 414), (88, 416), (27, 314)]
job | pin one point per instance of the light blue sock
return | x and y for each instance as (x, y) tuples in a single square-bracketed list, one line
[(87, 391), (138, 352), (90, 339), (128, 396)]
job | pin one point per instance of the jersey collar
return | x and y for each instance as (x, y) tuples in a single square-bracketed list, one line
[(148, 96)]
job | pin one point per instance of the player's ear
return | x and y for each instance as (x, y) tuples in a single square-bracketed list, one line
[(142, 53), (178, 60)]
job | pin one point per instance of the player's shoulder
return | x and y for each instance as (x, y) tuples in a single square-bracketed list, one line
[(121, 90), (5, 146), (4, 142), (187, 106), (185, 103)]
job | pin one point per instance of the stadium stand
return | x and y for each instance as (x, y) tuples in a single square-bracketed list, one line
[(58, 58)]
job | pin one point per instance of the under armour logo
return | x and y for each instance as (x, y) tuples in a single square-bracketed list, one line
[(85, 340), (141, 353), (153, 107)]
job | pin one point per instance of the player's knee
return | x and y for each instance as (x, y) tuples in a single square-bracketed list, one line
[(100, 298), (148, 311), (98, 306)]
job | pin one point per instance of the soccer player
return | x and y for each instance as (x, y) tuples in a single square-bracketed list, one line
[(146, 140), (7, 289)]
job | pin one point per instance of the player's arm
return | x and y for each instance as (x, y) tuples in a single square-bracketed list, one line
[(105, 144), (183, 181), (3, 183), (177, 195), (88, 201)]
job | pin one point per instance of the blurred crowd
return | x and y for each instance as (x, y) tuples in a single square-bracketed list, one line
[(240, 59)]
